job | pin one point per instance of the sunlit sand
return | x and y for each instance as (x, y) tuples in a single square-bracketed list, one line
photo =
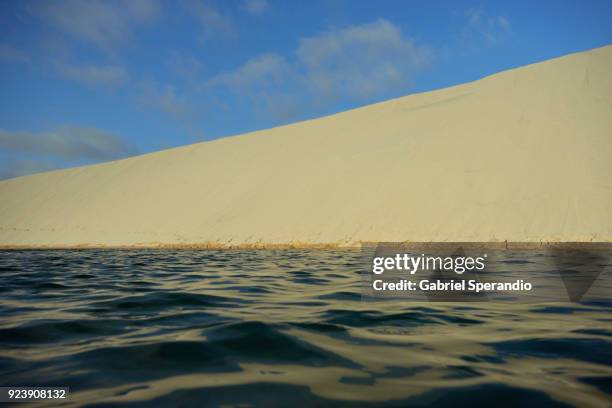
[(520, 156)]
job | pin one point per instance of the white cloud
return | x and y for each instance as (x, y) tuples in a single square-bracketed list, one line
[(68, 142), (504, 24), (141, 10), (491, 28), (265, 69), (93, 74), (164, 98), (354, 64), (254, 7), (107, 24), (183, 65), (210, 19), (361, 61)]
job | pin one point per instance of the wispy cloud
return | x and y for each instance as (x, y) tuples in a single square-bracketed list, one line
[(68, 142), (108, 24), (210, 18), (262, 70), (361, 61), (491, 28), (183, 65), (164, 98), (254, 7), (93, 75), (351, 64)]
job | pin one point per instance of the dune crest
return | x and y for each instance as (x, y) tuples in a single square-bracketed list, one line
[(520, 156)]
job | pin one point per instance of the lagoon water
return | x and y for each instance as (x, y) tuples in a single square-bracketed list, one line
[(282, 328)]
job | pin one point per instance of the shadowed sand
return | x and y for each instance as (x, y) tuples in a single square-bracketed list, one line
[(521, 156)]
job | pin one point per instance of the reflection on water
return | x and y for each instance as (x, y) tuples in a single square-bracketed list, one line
[(288, 328)]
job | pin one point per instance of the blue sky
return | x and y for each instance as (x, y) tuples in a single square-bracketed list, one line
[(84, 81)]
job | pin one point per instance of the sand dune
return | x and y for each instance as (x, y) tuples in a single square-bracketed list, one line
[(524, 155)]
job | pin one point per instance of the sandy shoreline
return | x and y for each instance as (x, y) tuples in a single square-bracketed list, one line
[(598, 246)]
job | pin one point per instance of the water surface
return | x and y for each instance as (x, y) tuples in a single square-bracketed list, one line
[(282, 328)]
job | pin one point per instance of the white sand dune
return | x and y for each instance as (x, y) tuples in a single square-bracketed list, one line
[(524, 156)]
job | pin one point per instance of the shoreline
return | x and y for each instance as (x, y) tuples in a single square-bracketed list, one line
[(503, 245)]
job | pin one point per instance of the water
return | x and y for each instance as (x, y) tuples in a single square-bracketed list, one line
[(281, 328)]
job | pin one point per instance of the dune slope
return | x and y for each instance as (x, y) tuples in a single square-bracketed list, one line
[(523, 156)]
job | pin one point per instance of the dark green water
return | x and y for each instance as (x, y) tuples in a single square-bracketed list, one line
[(282, 328)]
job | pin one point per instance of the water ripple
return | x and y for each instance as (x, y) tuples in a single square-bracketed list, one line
[(282, 328)]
